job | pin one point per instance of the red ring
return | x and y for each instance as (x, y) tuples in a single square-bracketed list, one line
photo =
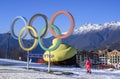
[(71, 24)]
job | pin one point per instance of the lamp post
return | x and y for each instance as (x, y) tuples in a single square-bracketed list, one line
[(8, 38)]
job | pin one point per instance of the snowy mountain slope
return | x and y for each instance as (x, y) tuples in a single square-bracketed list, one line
[(95, 36), (87, 37)]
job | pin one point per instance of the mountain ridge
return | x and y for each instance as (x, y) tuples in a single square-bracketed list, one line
[(95, 36), (86, 37)]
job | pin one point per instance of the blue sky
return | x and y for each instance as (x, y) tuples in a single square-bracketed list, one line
[(83, 11)]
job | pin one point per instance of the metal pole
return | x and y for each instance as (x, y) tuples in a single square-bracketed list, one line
[(8, 38), (49, 62), (27, 60)]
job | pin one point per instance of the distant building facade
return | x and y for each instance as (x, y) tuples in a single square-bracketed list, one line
[(114, 58), (82, 56), (106, 57)]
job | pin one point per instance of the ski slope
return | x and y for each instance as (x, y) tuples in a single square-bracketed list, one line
[(12, 69)]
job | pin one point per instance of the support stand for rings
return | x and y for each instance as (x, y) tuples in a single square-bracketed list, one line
[(49, 62), (27, 60)]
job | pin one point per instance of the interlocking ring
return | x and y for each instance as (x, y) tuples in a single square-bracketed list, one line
[(54, 46), (38, 38), (46, 28), (13, 23), (71, 24), (20, 41)]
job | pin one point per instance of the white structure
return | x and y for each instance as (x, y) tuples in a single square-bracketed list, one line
[(114, 58)]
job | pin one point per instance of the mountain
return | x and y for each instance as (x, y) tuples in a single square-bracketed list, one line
[(9, 45), (87, 37), (95, 36)]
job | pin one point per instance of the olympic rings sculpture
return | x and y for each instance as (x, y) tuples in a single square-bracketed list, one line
[(38, 37)]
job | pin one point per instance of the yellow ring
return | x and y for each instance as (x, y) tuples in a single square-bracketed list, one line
[(35, 40)]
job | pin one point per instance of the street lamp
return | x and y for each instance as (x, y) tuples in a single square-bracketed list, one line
[(8, 38)]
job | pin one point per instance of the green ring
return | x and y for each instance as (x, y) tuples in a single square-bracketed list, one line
[(58, 42)]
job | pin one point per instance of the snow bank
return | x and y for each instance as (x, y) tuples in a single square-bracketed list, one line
[(17, 71)]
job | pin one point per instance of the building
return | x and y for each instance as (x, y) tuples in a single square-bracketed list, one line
[(102, 54), (114, 58), (105, 57), (82, 56)]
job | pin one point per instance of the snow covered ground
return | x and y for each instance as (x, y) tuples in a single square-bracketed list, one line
[(11, 69)]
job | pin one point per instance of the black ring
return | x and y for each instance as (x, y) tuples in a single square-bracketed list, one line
[(31, 21)]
